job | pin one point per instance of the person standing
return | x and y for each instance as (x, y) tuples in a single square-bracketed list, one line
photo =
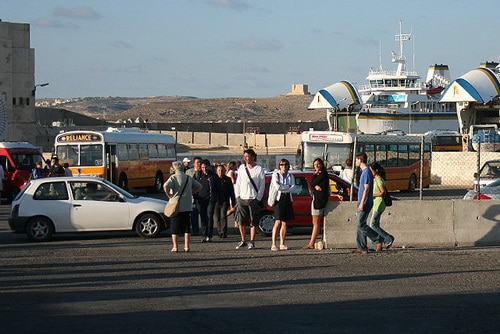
[(249, 190), (194, 172), (185, 163), (206, 199), (320, 185), (225, 199), (67, 170), (347, 172), (231, 171), (280, 196), (365, 204), (37, 172), (55, 168), (379, 191), (180, 224)]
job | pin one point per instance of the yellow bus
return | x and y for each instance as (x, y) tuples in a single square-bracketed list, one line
[(445, 140), (401, 155), (127, 157)]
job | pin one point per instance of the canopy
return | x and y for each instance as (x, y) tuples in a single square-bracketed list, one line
[(479, 85), (340, 95)]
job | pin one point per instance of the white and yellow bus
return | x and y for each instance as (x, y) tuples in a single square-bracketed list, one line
[(402, 156), (127, 157)]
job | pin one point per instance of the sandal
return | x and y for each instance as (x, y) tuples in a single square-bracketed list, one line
[(186, 250), (274, 248), (174, 250), (307, 247), (283, 247)]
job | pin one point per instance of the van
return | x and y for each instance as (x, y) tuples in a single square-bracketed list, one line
[(18, 160)]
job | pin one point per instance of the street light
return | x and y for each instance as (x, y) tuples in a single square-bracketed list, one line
[(39, 85)]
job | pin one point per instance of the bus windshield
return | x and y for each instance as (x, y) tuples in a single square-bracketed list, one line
[(81, 155), (332, 154)]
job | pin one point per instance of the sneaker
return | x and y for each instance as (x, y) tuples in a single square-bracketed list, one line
[(251, 245), (241, 244), (389, 244), (274, 248)]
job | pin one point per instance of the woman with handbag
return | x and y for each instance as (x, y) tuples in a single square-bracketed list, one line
[(280, 197), (180, 188), (379, 191)]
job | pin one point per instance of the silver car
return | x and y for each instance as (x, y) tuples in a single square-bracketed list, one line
[(83, 204), (489, 172)]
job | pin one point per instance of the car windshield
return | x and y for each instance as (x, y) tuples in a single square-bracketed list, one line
[(491, 169), (120, 190)]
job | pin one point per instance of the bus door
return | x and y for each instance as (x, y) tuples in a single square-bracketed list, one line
[(111, 163)]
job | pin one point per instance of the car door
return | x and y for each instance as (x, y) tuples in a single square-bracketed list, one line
[(101, 210), (50, 199), (302, 201)]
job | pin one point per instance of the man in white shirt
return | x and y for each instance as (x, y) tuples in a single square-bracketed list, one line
[(249, 190)]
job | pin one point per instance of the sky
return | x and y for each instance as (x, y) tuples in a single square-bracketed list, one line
[(243, 48)]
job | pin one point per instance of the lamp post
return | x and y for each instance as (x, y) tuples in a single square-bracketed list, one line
[(39, 85)]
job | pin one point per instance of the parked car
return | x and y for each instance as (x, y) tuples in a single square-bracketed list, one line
[(83, 204), (489, 172), (302, 199), (490, 191)]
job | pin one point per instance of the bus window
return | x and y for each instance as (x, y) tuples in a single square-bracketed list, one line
[(122, 152), (133, 152), (143, 152), (162, 151), (152, 151), (171, 151)]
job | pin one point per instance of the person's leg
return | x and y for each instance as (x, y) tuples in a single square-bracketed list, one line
[(187, 240), (174, 242), (314, 233), (283, 236), (210, 216), (375, 225), (223, 219), (195, 226), (202, 209), (276, 226), (361, 217), (218, 214)]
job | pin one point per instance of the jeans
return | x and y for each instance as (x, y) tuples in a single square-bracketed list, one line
[(221, 217), (375, 225), (206, 209), (195, 227), (363, 230)]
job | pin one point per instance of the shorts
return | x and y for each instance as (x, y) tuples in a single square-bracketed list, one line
[(247, 211), (181, 223), (317, 212)]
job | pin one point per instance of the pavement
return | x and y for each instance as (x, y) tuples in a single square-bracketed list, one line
[(120, 283)]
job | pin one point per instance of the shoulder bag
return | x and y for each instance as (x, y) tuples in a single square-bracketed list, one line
[(387, 198), (172, 207), (261, 204)]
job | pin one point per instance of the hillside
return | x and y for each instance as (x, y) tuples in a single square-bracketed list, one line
[(181, 109)]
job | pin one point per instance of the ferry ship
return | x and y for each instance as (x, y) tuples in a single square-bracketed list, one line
[(398, 100)]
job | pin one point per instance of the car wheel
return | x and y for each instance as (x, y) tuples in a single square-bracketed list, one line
[(148, 225), (413, 183), (266, 223), (40, 229)]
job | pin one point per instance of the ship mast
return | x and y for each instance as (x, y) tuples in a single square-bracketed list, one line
[(400, 58)]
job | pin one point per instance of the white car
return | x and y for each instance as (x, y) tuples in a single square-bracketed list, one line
[(83, 204), (489, 172)]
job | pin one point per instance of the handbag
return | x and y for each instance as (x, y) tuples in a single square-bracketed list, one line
[(273, 194), (172, 207), (387, 199)]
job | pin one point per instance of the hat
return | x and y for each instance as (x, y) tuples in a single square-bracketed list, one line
[(186, 160)]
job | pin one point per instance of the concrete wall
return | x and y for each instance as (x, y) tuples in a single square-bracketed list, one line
[(444, 223)]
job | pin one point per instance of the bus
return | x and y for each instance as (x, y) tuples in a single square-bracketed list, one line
[(400, 155), (18, 160), (127, 157), (445, 140)]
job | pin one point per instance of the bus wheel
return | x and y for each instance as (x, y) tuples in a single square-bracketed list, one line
[(158, 182), (413, 183), (148, 225), (266, 223), (39, 229), (123, 182)]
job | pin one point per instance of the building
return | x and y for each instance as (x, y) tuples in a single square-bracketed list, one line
[(17, 83)]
